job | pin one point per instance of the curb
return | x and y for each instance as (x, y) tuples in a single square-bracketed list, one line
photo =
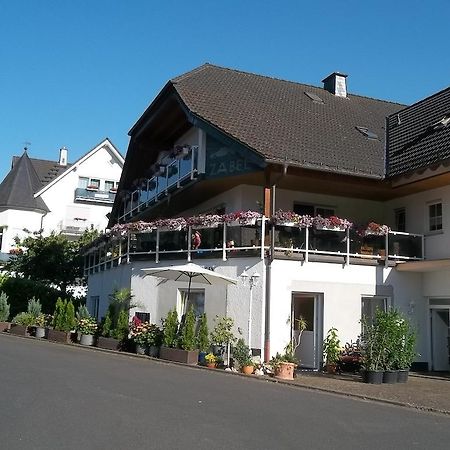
[(264, 378)]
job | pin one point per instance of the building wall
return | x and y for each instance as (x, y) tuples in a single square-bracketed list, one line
[(16, 223), (342, 288), (60, 197), (416, 205)]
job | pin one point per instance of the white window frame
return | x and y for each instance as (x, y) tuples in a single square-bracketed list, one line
[(387, 305), (437, 219), (182, 298)]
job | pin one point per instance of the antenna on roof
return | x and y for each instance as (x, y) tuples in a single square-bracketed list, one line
[(26, 144), (399, 122)]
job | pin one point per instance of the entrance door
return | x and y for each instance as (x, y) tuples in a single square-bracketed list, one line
[(308, 308), (440, 338)]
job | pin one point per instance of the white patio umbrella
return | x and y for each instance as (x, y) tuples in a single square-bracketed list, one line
[(190, 272)]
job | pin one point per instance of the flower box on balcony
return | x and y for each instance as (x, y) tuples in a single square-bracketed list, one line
[(92, 187), (323, 228), (113, 190)]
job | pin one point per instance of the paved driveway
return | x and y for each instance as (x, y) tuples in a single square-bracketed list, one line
[(65, 397)]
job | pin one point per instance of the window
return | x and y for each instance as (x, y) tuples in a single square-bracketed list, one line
[(435, 216), (94, 304), (94, 182), (400, 219), (311, 210), (83, 182), (369, 306), (196, 299), (368, 133), (109, 185), (143, 316)]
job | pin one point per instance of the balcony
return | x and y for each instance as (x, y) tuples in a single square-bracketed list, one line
[(94, 195), (225, 241), (171, 174)]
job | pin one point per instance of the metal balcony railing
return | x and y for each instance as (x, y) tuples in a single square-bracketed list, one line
[(94, 195)]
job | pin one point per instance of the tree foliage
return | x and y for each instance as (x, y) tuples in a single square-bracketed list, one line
[(53, 259)]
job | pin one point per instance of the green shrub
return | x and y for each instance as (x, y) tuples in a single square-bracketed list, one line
[(187, 331), (241, 353), (203, 334), (121, 330), (222, 333), (69, 316), (170, 329), (34, 307), (20, 290), (82, 313), (4, 307), (24, 318), (107, 325), (58, 315)]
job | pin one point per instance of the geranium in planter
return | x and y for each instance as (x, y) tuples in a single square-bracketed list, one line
[(332, 223), (286, 218), (376, 229), (242, 218), (42, 323), (204, 221)]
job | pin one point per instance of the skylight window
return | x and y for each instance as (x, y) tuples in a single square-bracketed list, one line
[(315, 98), (368, 133), (443, 123)]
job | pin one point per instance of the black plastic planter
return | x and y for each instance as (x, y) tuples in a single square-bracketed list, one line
[(372, 376), (390, 376), (402, 376)]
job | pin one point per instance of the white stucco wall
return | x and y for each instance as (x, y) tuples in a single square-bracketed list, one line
[(436, 244), (15, 223), (60, 197)]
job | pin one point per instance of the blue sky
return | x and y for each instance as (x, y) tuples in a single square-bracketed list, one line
[(74, 72)]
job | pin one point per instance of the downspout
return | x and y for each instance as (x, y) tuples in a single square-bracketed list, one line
[(269, 268), (42, 224)]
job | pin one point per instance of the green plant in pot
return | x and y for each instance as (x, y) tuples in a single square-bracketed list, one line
[(222, 334), (170, 329), (203, 342), (87, 327), (331, 350), (187, 331), (241, 354), (4, 312)]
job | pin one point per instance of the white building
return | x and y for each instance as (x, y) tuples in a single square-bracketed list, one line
[(217, 141), (57, 195)]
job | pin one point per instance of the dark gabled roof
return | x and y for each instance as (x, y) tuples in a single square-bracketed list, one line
[(280, 121), (46, 170), (418, 136), (18, 188)]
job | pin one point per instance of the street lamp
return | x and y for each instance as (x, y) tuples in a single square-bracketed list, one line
[(252, 281)]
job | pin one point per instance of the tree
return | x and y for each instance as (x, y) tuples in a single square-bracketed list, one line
[(53, 260)]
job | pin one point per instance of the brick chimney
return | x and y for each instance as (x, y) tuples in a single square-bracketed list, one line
[(336, 83), (63, 156)]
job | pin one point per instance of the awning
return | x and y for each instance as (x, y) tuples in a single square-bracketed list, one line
[(430, 265)]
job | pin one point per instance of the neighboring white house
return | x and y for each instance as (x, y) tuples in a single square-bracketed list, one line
[(218, 141), (57, 195)]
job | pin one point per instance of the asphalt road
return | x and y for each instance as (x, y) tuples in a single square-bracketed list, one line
[(63, 397)]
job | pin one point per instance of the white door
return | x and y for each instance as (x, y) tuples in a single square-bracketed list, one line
[(440, 339), (307, 307)]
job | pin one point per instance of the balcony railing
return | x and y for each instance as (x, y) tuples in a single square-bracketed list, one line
[(229, 241), (173, 173), (94, 195)]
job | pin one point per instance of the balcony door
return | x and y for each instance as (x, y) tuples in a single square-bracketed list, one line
[(308, 307)]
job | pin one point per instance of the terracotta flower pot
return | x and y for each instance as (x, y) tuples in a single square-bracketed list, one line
[(285, 371), (211, 365), (248, 370)]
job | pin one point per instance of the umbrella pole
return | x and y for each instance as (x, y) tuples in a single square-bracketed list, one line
[(188, 292)]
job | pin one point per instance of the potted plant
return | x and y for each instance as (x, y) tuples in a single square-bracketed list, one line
[(372, 350), (284, 364), (405, 349), (211, 360), (222, 334), (154, 340), (4, 312), (21, 323), (115, 325), (139, 335), (203, 342), (179, 340), (63, 321), (241, 354), (42, 322), (331, 350), (87, 327)]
